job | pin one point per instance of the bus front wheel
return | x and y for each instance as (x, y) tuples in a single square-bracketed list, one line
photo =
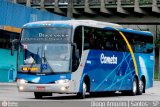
[(84, 90)]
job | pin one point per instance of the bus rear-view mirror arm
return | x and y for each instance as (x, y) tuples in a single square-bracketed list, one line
[(14, 43)]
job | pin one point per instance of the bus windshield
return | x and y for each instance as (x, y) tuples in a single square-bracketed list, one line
[(55, 56), (46, 34), (46, 48)]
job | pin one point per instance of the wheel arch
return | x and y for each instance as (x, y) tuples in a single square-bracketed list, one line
[(85, 78)]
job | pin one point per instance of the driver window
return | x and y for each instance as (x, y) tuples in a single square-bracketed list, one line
[(77, 48)]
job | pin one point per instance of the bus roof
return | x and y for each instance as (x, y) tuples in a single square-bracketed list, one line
[(90, 23), (145, 33), (74, 23), (128, 30)]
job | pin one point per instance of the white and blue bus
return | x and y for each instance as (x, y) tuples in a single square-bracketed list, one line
[(80, 56)]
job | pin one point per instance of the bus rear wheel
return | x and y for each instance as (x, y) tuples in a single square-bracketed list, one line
[(141, 87), (134, 89)]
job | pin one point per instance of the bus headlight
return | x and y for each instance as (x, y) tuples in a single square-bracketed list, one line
[(22, 81), (61, 81), (21, 88), (64, 88)]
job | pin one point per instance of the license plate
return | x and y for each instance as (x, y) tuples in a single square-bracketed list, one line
[(40, 88)]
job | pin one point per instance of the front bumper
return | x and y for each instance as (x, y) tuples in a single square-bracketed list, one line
[(54, 88)]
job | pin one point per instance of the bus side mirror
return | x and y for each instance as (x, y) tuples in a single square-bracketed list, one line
[(14, 43)]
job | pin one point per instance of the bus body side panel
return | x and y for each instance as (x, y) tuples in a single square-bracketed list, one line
[(145, 63), (7, 66), (109, 70)]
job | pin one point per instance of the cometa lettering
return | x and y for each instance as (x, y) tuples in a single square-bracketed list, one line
[(107, 59)]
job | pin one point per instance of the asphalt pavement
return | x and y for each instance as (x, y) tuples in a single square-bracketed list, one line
[(9, 95)]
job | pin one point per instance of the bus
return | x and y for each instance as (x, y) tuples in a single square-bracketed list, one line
[(83, 56), (7, 63)]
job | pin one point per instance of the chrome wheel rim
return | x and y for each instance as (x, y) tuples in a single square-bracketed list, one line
[(84, 89), (141, 86), (134, 87)]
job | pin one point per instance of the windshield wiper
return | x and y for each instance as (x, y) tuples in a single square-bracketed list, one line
[(41, 58), (44, 60)]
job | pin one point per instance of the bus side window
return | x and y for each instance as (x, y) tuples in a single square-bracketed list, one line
[(88, 38), (110, 40), (143, 44), (12, 37), (6, 39), (1, 39), (86, 41), (149, 47)]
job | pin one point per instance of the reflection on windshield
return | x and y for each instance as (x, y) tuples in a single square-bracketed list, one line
[(29, 60), (58, 52), (35, 50), (56, 56)]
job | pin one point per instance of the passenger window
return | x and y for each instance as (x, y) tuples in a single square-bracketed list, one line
[(140, 43)]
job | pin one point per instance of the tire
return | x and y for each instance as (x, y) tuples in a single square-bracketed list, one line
[(82, 94), (38, 95), (134, 89), (141, 87)]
